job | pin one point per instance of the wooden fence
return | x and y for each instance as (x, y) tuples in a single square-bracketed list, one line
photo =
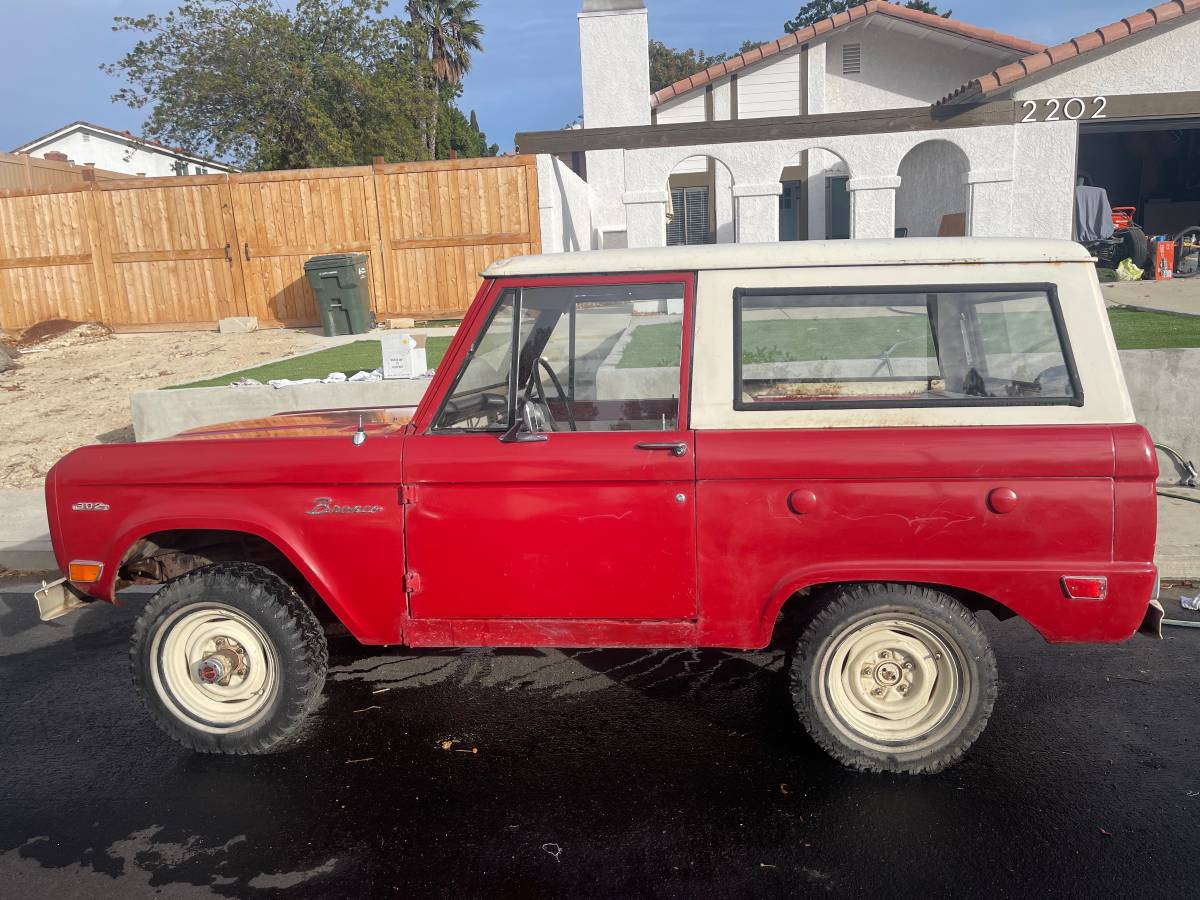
[(20, 170), (184, 252)]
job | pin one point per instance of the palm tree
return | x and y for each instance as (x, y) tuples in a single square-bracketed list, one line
[(449, 34)]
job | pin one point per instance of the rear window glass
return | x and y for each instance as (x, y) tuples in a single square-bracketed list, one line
[(900, 348)]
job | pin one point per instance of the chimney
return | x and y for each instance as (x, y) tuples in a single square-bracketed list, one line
[(614, 46), (57, 156)]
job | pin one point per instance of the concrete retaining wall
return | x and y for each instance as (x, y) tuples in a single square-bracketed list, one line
[(160, 414), (1165, 388)]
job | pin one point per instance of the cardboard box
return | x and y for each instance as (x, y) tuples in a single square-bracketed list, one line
[(403, 356)]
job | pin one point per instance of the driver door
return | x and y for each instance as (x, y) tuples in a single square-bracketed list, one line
[(556, 477)]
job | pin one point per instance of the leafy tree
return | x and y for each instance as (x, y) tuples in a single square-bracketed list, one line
[(448, 35), (275, 86), (668, 65), (816, 10)]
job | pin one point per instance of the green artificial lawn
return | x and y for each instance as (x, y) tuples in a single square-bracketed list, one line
[(360, 356), (1138, 330), (871, 337), (655, 346)]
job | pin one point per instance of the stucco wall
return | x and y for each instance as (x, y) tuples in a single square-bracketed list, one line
[(932, 185), (989, 150), (1165, 60), (565, 206), (1043, 167), (899, 68), (615, 67)]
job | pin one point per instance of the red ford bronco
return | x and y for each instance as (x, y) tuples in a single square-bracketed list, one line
[(864, 444)]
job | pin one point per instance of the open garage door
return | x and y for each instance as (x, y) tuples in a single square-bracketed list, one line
[(1150, 164)]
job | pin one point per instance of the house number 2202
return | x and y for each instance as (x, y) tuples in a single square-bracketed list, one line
[(1057, 110)]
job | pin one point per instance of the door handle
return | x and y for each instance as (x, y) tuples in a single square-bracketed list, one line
[(228, 255), (676, 449), (246, 250)]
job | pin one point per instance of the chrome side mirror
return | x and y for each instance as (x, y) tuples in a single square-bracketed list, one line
[(360, 436), (527, 428)]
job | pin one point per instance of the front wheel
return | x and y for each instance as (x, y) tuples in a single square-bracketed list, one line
[(228, 659), (893, 678)]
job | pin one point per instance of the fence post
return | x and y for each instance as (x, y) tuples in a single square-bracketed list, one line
[(103, 272), (383, 218), (535, 211)]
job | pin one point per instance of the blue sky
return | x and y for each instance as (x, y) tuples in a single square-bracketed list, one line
[(526, 80)]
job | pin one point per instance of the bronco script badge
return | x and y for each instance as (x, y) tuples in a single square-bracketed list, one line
[(324, 506)]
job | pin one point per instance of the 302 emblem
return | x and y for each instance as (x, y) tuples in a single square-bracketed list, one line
[(324, 506), (90, 507)]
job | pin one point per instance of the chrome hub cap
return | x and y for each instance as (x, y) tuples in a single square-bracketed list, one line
[(214, 668), (892, 681)]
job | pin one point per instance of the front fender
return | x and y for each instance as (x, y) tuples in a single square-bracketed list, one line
[(353, 561)]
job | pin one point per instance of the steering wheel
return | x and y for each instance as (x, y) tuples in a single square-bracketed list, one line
[(536, 382)]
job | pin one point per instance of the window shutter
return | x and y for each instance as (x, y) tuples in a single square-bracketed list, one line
[(851, 59), (676, 232), (697, 215)]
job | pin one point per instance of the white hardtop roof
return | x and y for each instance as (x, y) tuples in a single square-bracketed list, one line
[(795, 254)]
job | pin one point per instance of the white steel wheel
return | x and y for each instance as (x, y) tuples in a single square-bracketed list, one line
[(229, 659), (213, 667), (892, 681), (893, 677)]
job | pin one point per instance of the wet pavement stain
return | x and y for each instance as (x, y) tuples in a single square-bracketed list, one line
[(598, 773)]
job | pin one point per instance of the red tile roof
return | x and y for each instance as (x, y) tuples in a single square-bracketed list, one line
[(854, 14), (1005, 76)]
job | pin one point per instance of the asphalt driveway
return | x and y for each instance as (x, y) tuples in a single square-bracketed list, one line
[(608, 773)]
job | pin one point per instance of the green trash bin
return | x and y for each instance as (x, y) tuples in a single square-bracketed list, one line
[(339, 282)]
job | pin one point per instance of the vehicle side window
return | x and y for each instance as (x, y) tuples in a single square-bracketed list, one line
[(590, 357), (479, 399), (900, 347), (611, 357)]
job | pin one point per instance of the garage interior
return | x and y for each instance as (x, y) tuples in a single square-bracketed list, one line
[(1153, 165)]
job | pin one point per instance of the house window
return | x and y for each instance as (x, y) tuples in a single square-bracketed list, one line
[(181, 168), (690, 219), (897, 347), (851, 59)]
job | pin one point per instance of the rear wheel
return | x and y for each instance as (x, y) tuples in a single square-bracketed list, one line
[(228, 659), (893, 678)]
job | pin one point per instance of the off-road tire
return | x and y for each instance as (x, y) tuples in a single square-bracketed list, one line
[(300, 654), (847, 612)]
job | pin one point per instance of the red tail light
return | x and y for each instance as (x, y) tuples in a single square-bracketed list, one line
[(1081, 587)]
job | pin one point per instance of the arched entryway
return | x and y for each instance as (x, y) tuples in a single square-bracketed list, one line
[(701, 210), (815, 204), (932, 197)]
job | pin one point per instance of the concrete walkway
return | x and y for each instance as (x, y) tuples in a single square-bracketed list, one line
[(1177, 296), (25, 534)]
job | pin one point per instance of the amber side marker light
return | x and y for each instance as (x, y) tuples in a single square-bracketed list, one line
[(83, 571), (1079, 587)]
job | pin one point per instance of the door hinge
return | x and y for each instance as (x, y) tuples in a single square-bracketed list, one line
[(412, 582), (408, 495)]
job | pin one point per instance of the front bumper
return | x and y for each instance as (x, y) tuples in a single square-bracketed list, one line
[(58, 598)]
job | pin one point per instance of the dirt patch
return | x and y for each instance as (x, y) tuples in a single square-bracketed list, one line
[(61, 332), (72, 388)]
